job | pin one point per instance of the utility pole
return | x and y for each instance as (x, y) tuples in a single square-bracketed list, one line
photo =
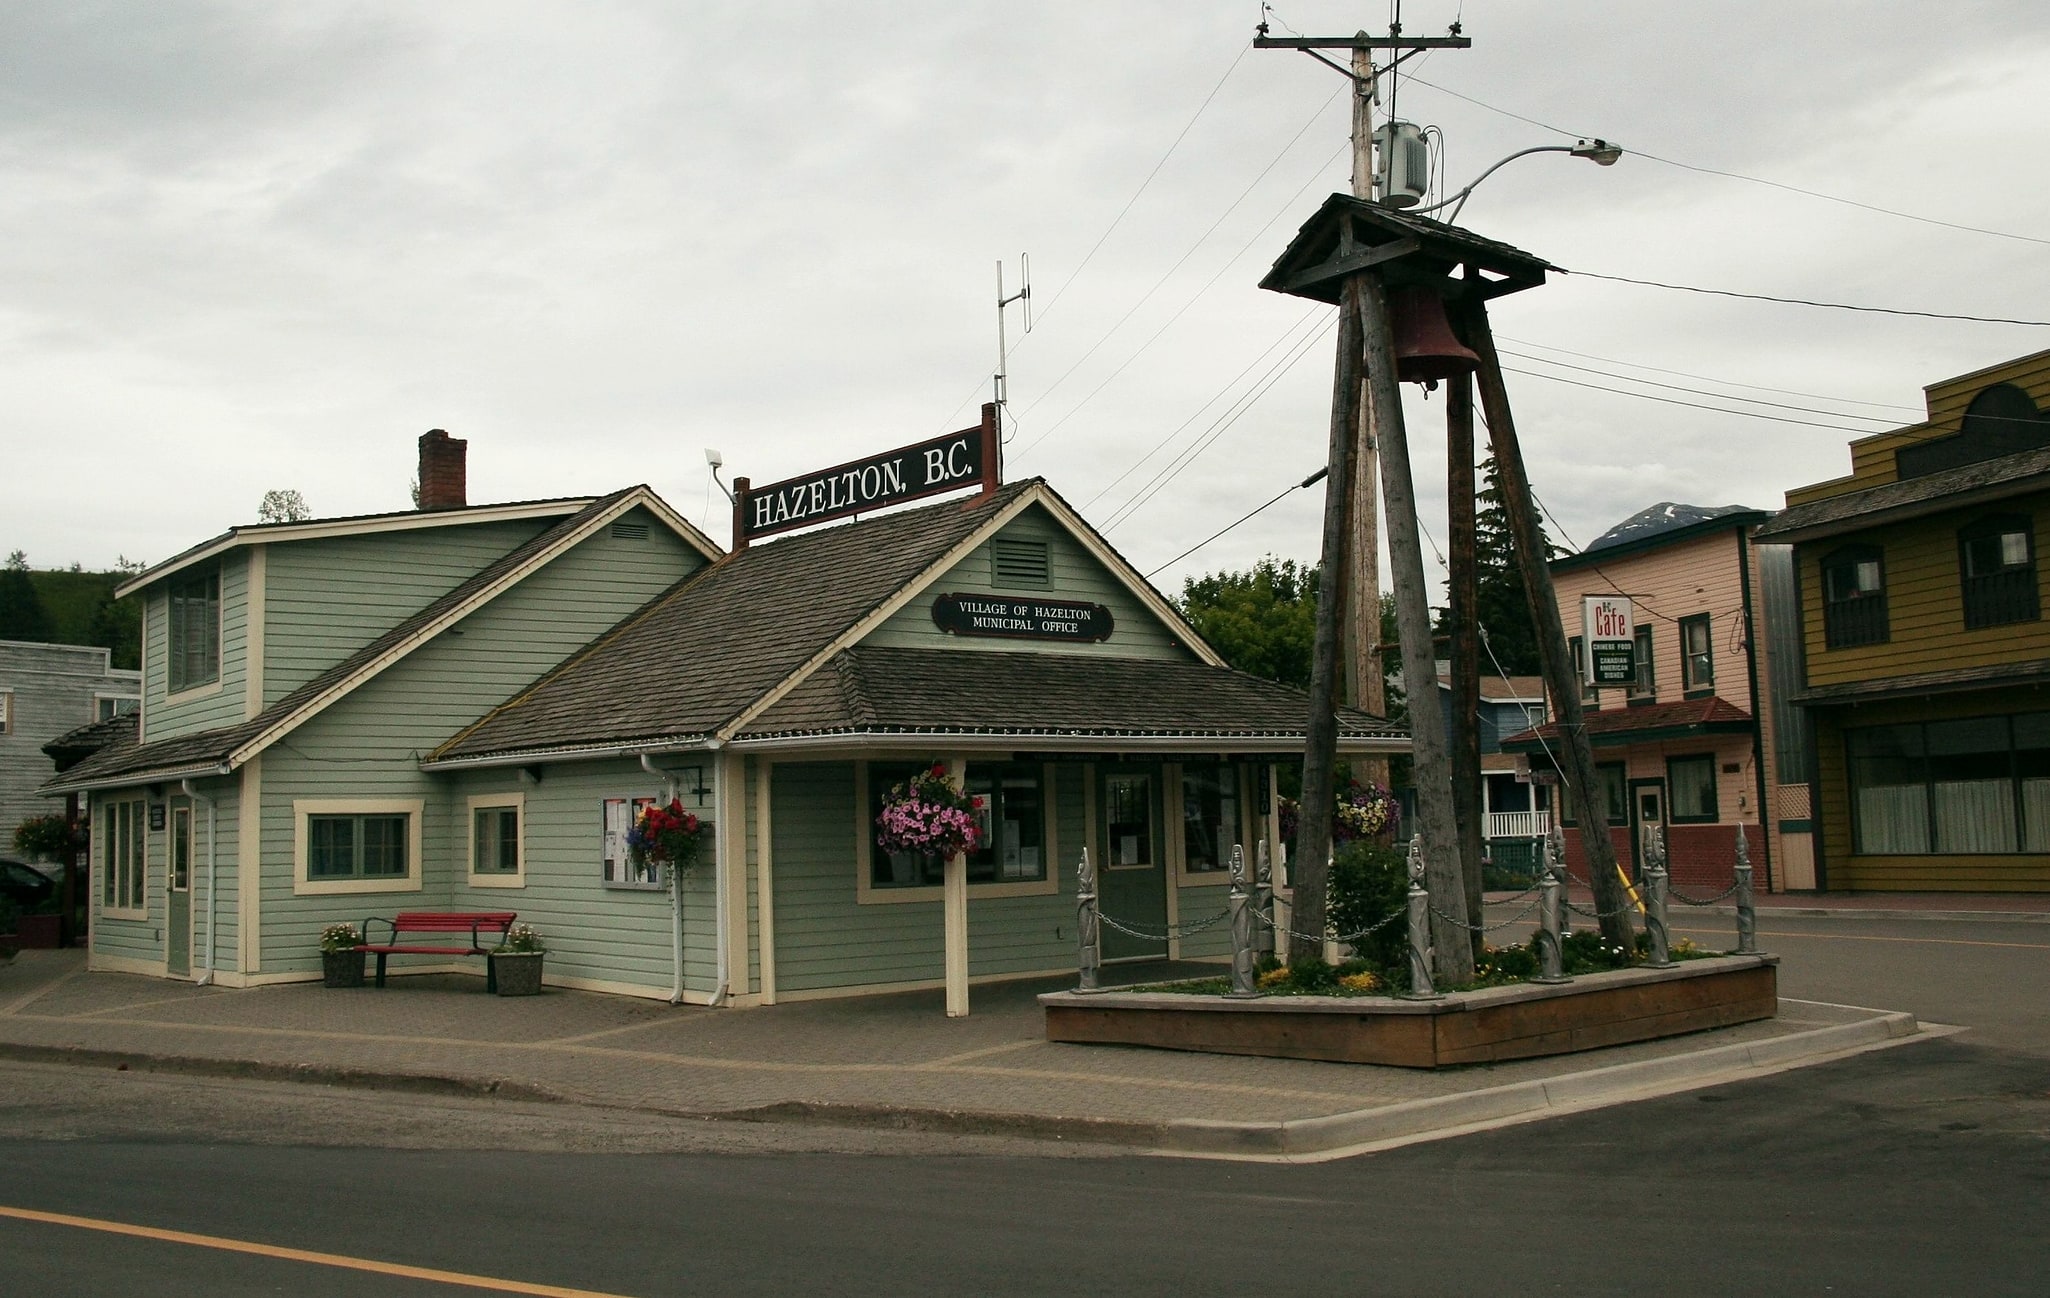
[(1350, 585)]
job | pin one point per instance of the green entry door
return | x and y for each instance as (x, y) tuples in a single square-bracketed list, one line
[(1132, 882), (178, 895)]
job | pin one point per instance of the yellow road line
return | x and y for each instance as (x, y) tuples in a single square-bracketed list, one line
[(1777, 934), (300, 1255)]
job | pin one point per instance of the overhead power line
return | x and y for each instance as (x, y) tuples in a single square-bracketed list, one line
[(1708, 378), (1276, 499), (1734, 175), (1802, 301)]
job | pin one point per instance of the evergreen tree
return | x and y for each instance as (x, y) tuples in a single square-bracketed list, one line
[(22, 615), (1499, 598)]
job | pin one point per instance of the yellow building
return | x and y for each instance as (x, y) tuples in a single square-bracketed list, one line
[(1926, 658)]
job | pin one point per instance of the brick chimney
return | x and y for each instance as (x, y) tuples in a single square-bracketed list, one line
[(444, 473)]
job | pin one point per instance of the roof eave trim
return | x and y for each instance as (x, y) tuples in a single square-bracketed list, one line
[(575, 752), (129, 779), (315, 529), (1103, 743), (1781, 534)]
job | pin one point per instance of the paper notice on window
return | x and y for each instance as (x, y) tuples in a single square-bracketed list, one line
[(1128, 849), (616, 825)]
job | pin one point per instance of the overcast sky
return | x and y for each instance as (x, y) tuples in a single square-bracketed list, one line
[(254, 246)]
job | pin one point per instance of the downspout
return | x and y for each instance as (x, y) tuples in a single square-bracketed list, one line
[(195, 795), (675, 892)]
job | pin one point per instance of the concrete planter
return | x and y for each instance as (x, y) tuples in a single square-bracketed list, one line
[(1518, 1022), (341, 968), (38, 932), (517, 973)]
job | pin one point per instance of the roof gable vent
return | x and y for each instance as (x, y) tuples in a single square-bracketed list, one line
[(629, 531), (1020, 563)]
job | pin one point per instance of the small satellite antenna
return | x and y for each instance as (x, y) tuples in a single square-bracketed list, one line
[(717, 461), (1023, 296)]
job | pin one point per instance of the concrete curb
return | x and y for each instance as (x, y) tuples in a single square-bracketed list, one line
[(1364, 1130), (253, 1070)]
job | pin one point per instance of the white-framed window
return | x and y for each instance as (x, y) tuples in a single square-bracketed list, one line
[(108, 706), (121, 859), (356, 844), (498, 845), (620, 871), (194, 643), (1015, 801), (6, 712)]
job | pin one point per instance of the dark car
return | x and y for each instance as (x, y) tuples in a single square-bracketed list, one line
[(23, 884)]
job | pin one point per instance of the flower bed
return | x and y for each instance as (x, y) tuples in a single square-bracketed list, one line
[(1485, 1024)]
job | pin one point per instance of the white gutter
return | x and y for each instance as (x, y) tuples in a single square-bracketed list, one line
[(592, 753), (1070, 743), (161, 775), (212, 822)]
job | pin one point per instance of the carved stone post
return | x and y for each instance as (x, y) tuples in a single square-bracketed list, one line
[(1420, 986), (1263, 903), (1088, 932), (1241, 927), (1655, 897), (1747, 914), (1551, 899)]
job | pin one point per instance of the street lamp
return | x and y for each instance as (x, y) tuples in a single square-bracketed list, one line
[(1600, 152)]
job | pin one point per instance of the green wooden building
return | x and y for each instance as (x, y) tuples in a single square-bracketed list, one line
[(461, 708)]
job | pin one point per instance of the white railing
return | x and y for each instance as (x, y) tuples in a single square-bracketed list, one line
[(1517, 824)]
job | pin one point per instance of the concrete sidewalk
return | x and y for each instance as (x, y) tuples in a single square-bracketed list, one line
[(894, 1061)]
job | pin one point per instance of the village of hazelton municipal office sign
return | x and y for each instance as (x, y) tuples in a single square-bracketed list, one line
[(1024, 619), (926, 468)]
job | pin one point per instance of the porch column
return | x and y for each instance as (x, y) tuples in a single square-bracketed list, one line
[(955, 877)]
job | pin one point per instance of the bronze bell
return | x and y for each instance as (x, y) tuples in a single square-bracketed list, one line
[(1425, 348)]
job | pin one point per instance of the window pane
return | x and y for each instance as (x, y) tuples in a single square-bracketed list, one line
[(330, 847), (1209, 816), (1646, 683), (1012, 815), (384, 846), (1128, 815), (496, 840), (1615, 794), (1693, 781)]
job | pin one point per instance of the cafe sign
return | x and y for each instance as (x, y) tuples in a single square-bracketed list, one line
[(1611, 643), (928, 468), (1022, 619)]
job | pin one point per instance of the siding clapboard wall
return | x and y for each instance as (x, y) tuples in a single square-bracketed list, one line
[(205, 707)]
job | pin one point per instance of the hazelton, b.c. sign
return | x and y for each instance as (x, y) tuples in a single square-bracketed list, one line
[(1025, 619), (907, 473)]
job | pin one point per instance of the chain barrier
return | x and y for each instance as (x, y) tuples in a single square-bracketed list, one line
[(1484, 929), (1686, 900), (1172, 930), (1335, 937), (1585, 913)]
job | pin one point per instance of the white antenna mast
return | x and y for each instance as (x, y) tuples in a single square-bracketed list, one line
[(1024, 295)]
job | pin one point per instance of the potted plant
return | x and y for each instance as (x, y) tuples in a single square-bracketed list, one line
[(666, 837), (516, 962), (928, 815), (341, 956)]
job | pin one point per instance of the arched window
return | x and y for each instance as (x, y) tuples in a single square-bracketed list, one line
[(1997, 571), (1854, 597)]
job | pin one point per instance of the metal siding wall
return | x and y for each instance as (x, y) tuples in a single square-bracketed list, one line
[(220, 706), (53, 688), (592, 931), (823, 938), (1076, 576), (368, 744), (326, 599)]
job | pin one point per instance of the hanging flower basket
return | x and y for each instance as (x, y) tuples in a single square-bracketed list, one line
[(666, 836), (928, 815), (1365, 811)]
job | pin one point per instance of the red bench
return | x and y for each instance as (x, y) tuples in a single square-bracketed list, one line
[(470, 923)]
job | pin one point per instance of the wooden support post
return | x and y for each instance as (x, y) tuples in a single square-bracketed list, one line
[(1452, 949), (741, 489), (1583, 783), (1466, 650), (954, 878), (1308, 863)]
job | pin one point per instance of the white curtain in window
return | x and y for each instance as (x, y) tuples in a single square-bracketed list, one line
[(2036, 815), (1892, 819), (1974, 815)]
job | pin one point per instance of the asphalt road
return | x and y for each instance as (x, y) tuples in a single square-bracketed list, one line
[(1922, 1169)]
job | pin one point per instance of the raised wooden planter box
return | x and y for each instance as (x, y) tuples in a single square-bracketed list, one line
[(1517, 1022)]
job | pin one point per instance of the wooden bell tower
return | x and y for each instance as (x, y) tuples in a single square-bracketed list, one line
[(1375, 262)]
